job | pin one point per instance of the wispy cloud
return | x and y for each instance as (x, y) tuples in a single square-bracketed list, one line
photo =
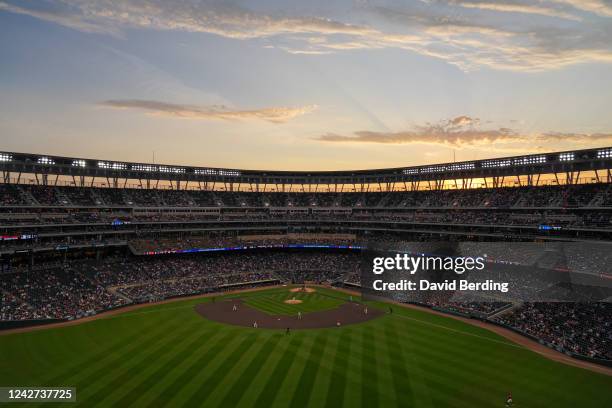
[(157, 108), (61, 17), (518, 7), (575, 137), (454, 31), (464, 131), (469, 40), (458, 131), (464, 138), (600, 7)]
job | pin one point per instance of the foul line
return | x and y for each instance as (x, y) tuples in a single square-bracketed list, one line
[(506, 343)]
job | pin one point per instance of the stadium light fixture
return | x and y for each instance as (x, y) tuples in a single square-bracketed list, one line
[(410, 171), (496, 163), (144, 167), (566, 156), (448, 167), (529, 160), (217, 172), (79, 163), (4, 157), (604, 154), (176, 170), (112, 165), (45, 160)]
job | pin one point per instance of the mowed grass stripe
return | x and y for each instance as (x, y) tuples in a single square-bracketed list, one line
[(452, 379), (254, 389), (234, 393), (383, 387), (459, 356), (326, 366), (449, 364), (455, 363), (378, 372), (270, 389), (362, 352), (181, 351), (269, 306), (324, 374), (108, 383), (336, 388), (289, 385), (220, 384), (96, 370), (206, 353), (100, 368), (410, 352), (309, 372), (428, 340), (48, 350), (115, 347), (376, 367), (228, 359), (399, 367), (369, 377), (272, 306), (302, 354), (458, 362), (466, 330), (352, 396)]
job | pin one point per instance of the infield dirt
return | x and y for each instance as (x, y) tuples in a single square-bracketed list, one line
[(345, 314)]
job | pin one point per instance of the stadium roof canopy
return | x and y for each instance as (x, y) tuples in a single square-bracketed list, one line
[(541, 163)]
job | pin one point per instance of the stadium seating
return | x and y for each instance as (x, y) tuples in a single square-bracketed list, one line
[(71, 258)]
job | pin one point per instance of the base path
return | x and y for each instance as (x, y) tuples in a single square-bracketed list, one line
[(347, 313)]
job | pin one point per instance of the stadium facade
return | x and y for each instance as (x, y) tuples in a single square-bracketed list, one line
[(54, 202)]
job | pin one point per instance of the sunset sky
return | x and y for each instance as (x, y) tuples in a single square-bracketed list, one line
[(305, 84)]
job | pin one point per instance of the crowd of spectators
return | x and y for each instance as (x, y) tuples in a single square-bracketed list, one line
[(454, 302), (55, 293), (580, 195), (581, 328), (287, 266), (86, 287), (162, 289), (550, 219), (12, 308)]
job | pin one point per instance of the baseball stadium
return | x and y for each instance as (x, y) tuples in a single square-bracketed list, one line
[(134, 294), (283, 203)]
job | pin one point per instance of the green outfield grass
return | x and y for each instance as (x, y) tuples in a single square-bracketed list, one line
[(169, 355), (274, 303)]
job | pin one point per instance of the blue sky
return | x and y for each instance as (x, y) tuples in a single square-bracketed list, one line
[(304, 85)]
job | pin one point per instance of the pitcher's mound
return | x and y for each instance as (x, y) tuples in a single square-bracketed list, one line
[(293, 301), (307, 290)]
